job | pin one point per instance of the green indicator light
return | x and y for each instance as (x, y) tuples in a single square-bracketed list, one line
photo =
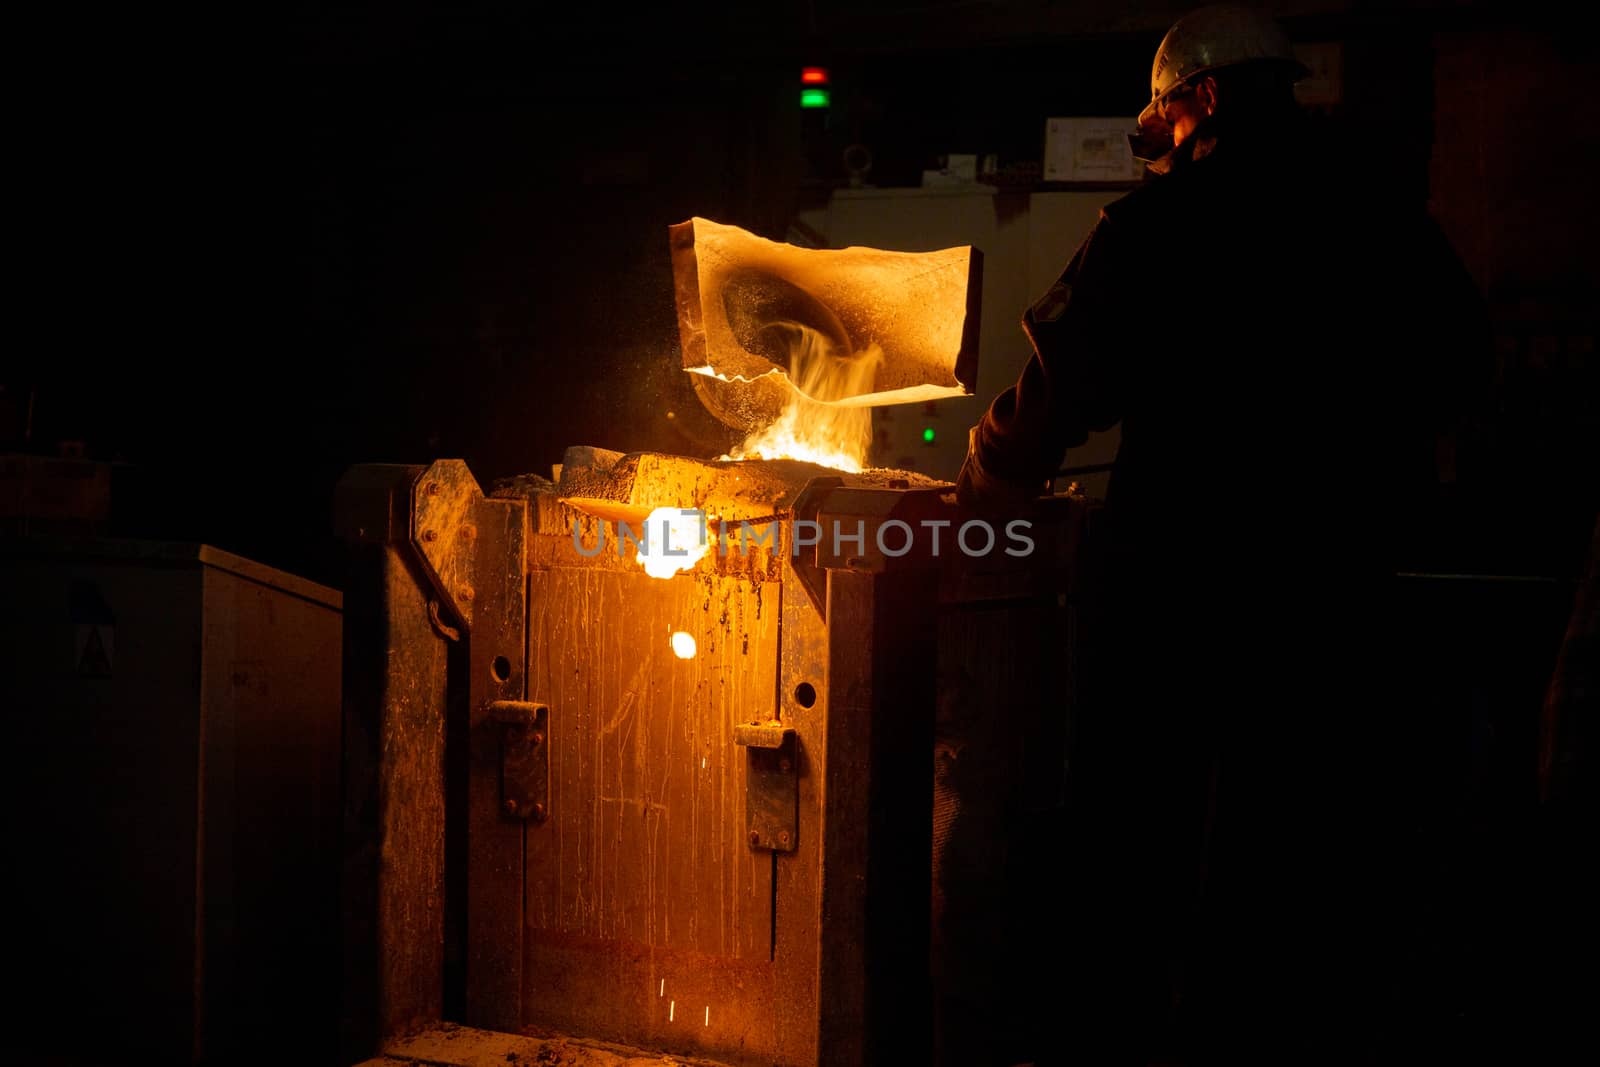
[(927, 435), (813, 98)]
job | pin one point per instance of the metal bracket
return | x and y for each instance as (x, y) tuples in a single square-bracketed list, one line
[(444, 505), (772, 784), (524, 758), (813, 579)]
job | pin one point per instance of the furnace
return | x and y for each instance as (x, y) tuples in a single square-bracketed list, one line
[(658, 749)]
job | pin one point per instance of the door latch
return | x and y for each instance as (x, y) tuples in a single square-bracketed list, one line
[(772, 785), (524, 758)]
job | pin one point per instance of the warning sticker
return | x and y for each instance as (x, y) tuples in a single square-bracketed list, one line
[(93, 649)]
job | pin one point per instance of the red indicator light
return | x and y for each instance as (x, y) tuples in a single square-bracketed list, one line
[(813, 75)]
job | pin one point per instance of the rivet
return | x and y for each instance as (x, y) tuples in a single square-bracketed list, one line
[(510, 806)]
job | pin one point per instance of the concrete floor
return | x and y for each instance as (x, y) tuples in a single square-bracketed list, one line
[(448, 1045)]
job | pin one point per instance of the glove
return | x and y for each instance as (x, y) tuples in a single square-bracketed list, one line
[(979, 491)]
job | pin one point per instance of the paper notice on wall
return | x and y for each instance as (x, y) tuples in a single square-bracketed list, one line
[(1322, 85), (1089, 150)]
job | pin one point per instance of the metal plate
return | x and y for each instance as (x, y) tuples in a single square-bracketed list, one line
[(524, 759), (772, 785), (444, 530)]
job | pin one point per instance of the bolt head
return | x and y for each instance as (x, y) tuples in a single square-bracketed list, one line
[(755, 838), (433, 488), (510, 806), (538, 812), (537, 738), (783, 837)]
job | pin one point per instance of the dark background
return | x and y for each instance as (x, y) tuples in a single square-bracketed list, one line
[(257, 247), (273, 245)]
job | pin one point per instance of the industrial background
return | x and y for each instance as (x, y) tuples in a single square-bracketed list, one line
[(357, 232), (265, 250)]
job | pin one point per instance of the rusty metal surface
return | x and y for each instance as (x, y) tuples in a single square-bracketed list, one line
[(393, 885), (877, 819), (524, 758), (804, 699), (394, 693), (449, 1045), (629, 487), (444, 530), (496, 670), (803, 568), (643, 874), (638, 909), (772, 734), (853, 522), (772, 793), (876, 643), (738, 294), (419, 740)]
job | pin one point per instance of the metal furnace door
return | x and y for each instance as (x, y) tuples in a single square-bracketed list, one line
[(649, 917)]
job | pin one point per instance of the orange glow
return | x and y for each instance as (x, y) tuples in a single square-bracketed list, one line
[(683, 647), (816, 425), (813, 76), (673, 541)]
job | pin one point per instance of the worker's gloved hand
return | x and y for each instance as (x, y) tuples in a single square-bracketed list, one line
[(980, 492)]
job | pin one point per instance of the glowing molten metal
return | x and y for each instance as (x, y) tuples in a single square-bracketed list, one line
[(673, 540), (817, 425)]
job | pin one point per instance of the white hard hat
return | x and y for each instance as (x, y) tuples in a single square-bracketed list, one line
[(1222, 35)]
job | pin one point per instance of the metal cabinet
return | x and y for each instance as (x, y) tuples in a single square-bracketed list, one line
[(174, 721)]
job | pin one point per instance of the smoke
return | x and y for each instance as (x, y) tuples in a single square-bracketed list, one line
[(813, 425)]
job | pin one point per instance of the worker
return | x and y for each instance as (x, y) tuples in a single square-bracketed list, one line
[(1286, 342)]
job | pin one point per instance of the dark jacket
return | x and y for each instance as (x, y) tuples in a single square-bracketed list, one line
[(1270, 330), (1282, 344)]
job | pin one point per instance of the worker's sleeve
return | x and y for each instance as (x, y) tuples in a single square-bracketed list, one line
[(1438, 380), (1070, 384), (1459, 378)]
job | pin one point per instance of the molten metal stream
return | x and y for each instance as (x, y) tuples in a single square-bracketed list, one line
[(813, 426)]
